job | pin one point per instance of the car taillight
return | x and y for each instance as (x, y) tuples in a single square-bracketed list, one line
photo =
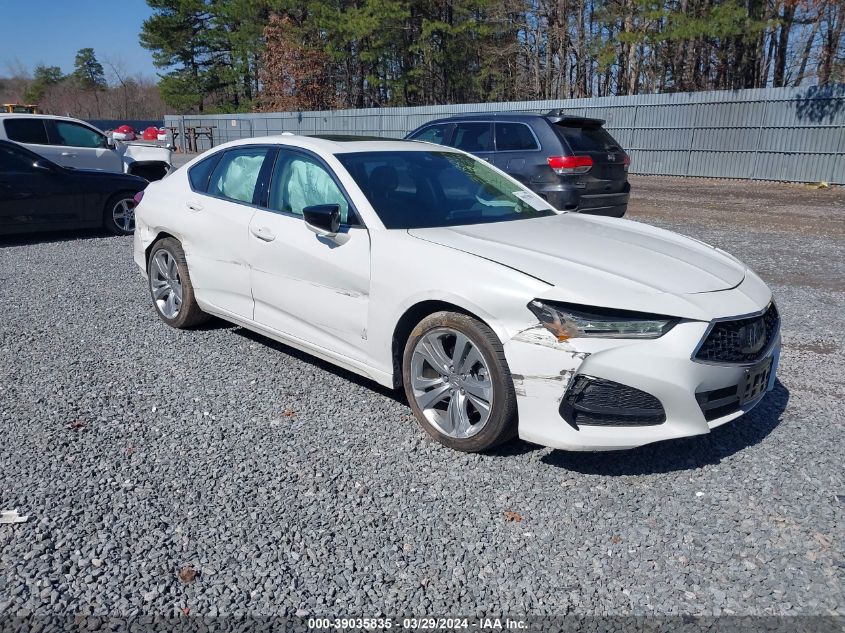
[(626, 161), (570, 164), (138, 197)]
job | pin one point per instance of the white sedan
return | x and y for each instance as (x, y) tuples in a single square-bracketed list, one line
[(422, 267)]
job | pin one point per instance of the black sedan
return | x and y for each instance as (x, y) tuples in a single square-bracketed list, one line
[(38, 195)]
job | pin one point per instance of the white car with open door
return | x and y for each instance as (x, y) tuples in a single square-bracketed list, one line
[(421, 266), (79, 145)]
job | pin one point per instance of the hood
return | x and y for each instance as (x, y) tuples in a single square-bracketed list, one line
[(607, 255)]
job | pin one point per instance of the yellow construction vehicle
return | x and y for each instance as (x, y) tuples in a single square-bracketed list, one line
[(19, 108)]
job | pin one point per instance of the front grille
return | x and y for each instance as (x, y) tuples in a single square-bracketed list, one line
[(599, 402), (740, 340)]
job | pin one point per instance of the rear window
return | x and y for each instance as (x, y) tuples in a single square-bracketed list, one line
[(473, 137), (513, 137), (26, 131), (587, 139), (199, 173)]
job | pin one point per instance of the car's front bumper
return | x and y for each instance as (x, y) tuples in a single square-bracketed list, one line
[(543, 369)]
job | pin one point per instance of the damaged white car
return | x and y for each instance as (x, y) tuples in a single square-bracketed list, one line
[(79, 145), (423, 267)]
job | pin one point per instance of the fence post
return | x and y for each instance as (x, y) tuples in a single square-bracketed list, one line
[(840, 150), (634, 128), (182, 132), (759, 138), (692, 137)]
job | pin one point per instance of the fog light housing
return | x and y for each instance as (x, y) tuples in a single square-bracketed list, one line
[(591, 401)]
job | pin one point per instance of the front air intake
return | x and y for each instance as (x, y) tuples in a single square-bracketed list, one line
[(593, 401)]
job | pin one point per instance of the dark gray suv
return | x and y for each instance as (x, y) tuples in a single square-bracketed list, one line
[(571, 161)]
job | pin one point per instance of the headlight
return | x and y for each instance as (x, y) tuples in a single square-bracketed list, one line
[(566, 321)]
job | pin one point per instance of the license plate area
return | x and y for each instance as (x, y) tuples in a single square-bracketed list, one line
[(755, 381)]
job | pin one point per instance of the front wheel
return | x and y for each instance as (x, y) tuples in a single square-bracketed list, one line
[(458, 383)]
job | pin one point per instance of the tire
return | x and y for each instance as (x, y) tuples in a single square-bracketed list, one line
[(449, 401), (119, 213), (167, 276)]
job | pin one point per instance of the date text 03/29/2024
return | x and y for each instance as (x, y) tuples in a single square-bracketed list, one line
[(417, 624)]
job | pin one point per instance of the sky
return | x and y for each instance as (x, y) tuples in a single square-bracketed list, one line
[(50, 32)]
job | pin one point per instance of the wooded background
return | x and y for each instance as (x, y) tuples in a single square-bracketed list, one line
[(266, 55), (288, 55)]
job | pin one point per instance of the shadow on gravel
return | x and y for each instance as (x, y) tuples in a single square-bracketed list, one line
[(682, 454), (46, 237), (394, 394)]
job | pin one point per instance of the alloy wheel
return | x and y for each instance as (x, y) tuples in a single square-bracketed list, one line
[(123, 214), (451, 382), (166, 284)]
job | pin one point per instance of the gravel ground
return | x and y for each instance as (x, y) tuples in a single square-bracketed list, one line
[(292, 487)]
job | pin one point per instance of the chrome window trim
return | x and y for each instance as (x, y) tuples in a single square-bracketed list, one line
[(712, 324)]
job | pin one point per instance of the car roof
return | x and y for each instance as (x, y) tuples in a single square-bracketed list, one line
[(554, 116), (8, 115), (339, 144)]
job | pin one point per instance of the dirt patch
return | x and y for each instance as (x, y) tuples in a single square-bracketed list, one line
[(821, 347), (742, 205)]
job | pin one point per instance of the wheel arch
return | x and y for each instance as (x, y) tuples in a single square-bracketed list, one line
[(161, 235), (409, 320)]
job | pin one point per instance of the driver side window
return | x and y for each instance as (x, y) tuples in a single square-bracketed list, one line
[(299, 181), (75, 135)]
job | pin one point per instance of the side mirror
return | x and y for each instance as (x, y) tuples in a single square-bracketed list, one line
[(110, 143), (323, 219), (44, 165)]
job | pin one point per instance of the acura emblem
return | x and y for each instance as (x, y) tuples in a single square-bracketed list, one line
[(752, 337)]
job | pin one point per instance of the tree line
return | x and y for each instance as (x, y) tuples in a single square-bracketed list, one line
[(241, 55), (89, 91)]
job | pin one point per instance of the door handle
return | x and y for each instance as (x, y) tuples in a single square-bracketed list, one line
[(193, 206), (71, 154), (262, 233)]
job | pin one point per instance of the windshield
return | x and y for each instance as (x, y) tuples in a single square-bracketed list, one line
[(412, 190)]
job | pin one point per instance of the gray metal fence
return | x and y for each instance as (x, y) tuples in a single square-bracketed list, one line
[(787, 134)]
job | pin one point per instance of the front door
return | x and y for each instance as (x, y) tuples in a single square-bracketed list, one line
[(475, 137), (82, 147), (36, 198), (313, 288)]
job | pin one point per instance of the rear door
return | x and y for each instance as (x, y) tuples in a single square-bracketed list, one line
[(517, 150), (475, 137), (608, 174), (31, 132), (218, 211)]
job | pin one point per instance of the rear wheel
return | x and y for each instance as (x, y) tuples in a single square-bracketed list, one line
[(170, 286), (458, 383), (119, 214)]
